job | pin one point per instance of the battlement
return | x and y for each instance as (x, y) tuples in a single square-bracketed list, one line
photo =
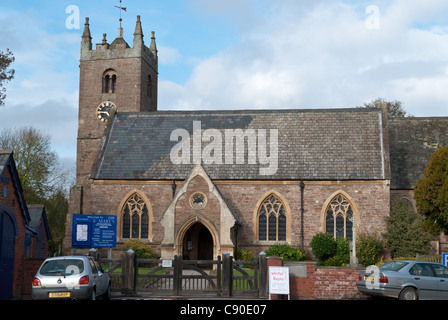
[(119, 48)]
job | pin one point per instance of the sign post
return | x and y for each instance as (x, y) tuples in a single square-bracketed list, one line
[(278, 280), (94, 231), (445, 259)]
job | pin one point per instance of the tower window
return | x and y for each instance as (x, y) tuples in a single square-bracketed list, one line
[(109, 81)]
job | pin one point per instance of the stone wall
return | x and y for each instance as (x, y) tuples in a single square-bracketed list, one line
[(370, 200)]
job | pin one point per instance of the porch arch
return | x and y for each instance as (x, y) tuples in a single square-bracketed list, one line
[(187, 225)]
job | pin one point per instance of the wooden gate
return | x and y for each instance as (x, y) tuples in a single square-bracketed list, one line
[(7, 254), (222, 277)]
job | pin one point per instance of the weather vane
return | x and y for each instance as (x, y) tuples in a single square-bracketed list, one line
[(121, 8)]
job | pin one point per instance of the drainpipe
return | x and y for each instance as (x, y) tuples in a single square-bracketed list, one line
[(302, 187), (173, 186)]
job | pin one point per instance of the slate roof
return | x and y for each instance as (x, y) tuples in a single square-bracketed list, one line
[(38, 216), (412, 142), (318, 144)]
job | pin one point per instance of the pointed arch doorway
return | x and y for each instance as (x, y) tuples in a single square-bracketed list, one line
[(197, 243)]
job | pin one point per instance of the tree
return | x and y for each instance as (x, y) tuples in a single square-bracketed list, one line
[(36, 162), (431, 193), (405, 236), (394, 108), (56, 207), (5, 74)]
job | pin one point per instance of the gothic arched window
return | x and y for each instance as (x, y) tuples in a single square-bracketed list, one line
[(272, 220), (135, 218), (339, 218)]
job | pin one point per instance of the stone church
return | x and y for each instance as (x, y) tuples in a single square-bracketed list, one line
[(198, 183)]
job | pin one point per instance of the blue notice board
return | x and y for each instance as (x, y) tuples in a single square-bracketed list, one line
[(94, 231), (445, 259)]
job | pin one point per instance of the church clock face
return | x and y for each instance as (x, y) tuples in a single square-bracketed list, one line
[(104, 110)]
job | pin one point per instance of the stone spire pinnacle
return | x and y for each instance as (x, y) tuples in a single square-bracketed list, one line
[(86, 42), (138, 34), (152, 46), (138, 28)]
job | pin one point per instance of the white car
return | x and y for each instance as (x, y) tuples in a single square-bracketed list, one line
[(70, 277)]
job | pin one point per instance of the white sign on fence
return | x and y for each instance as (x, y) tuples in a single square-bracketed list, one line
[(278, 280), (167, 263)]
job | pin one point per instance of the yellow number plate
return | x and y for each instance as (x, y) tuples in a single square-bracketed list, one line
[(59, 295), (369, 278)]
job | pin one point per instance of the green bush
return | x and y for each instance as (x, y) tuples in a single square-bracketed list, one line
[(341, 255), (368, 249), (141, 249), (405, 236), (245, 255), (342, 251), (323, 246), (285, 251)]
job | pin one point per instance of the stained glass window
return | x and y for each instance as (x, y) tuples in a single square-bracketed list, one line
[(339, 216), (272, 220), (135, 218)]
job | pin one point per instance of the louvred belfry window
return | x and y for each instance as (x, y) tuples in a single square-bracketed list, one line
[(272, 220), (135, 218), (109, 81), (339, 218)]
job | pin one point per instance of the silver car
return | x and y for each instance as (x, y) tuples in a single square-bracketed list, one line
[(70, 277), (406, 280)]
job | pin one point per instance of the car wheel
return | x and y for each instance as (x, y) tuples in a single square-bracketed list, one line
[(93, 295), (106, 295), (408, 293)]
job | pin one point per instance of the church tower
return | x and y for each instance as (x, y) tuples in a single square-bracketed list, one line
[(113, 78)]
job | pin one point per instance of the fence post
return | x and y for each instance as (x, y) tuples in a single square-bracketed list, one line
[(177, 276), (93, 253), (227, 271), (219, 275), (127, 272), (263, 270)]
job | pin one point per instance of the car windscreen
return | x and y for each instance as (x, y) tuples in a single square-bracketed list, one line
[(64, 267), (393, 266)]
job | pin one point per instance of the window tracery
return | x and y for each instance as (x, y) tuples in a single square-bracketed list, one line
[(339, 218), (272, 220), (135, 218)]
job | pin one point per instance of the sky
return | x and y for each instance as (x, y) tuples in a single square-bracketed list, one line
[(231, 54)]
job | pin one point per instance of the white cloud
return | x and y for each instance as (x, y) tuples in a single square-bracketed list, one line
[(168, 55), (323, 55)]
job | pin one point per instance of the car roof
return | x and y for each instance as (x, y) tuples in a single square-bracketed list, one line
[(412, 261), (67, 257)]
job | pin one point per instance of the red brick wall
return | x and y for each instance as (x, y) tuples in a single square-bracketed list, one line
[(12, 200), (30, 267), (320, 283)]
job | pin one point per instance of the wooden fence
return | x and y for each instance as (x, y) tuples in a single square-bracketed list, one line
[(223, 277)]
